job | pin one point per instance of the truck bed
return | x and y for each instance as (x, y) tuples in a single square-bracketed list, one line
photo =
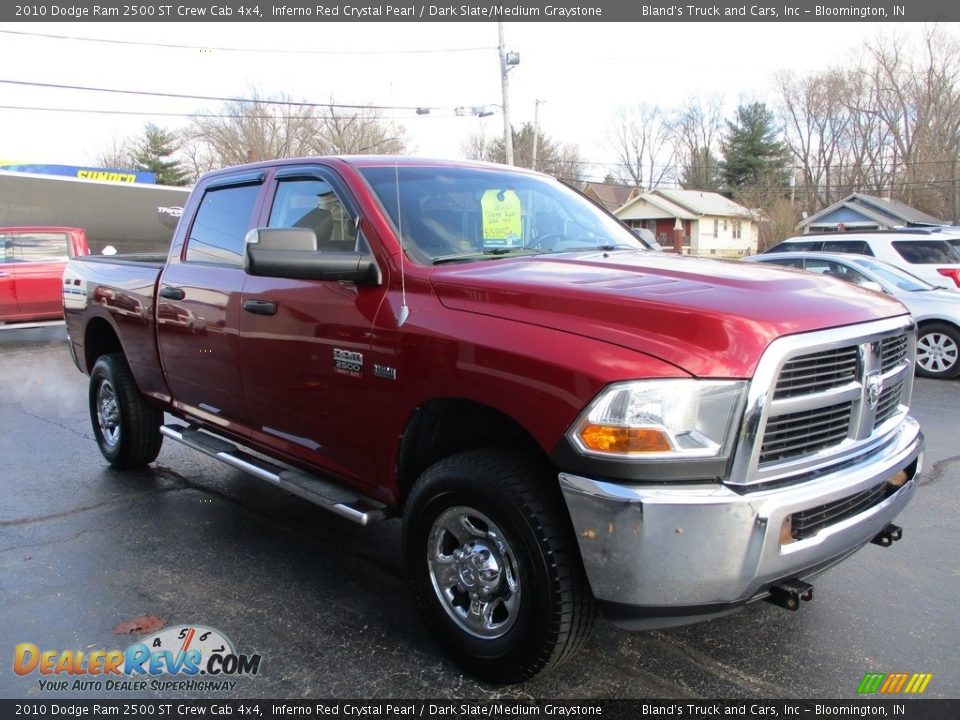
[(118, 291)]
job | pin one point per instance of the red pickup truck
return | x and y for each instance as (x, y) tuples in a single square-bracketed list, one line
[(31, 268), (563, 420)]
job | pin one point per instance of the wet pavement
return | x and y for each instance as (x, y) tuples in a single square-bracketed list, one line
[(327, 606)]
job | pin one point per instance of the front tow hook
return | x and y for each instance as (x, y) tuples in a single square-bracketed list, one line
[(888, 536), (789, 593)]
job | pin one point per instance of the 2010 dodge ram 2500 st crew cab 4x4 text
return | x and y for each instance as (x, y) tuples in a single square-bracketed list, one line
[(562, 419)]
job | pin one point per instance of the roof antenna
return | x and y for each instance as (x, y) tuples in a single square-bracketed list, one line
[(404, 312)]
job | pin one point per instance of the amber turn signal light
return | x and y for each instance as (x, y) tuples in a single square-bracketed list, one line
[(614, 439)]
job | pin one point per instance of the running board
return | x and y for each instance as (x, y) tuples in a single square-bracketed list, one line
[(328, 495)]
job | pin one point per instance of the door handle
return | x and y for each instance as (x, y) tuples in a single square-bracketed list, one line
[(260, 307), (172, 293)]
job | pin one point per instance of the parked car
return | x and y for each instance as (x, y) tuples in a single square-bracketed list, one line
[(31, 268), (936, 311), (932, 254), (563, 419)]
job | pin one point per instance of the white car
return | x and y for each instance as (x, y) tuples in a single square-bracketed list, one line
[(932, 254), (936, 311)]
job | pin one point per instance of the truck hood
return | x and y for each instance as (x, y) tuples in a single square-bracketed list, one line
[(711, 318)]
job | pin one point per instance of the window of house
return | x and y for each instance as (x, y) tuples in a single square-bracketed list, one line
[(716, 227), (737, 229), (222, 222), (724, 224)]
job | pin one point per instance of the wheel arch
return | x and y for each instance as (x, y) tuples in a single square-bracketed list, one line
[(935, 320), (99, 338), (446, 426)]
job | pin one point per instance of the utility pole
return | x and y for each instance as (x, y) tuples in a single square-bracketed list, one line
[(536, 131), (504, 82)]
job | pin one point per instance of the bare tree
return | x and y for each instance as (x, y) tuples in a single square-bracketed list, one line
[(817, 122), (917, 106), (118, 154), (476, 146), (261, 129), (358, 132), (640, 136), (695, 132)]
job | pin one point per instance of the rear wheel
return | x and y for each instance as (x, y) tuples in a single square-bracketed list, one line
[(495, 566), (126, 427), (938, 351)]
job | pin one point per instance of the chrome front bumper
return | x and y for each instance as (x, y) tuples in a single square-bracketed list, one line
[(670, 554)]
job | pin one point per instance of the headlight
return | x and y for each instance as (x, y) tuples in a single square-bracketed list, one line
[(659, 419)]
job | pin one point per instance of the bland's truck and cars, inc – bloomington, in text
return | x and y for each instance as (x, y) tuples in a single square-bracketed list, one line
[(564, 420)]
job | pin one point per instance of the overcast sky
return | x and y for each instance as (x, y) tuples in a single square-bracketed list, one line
[(583, 71)]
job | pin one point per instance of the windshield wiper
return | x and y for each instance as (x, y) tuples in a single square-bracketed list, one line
[(490, 254)]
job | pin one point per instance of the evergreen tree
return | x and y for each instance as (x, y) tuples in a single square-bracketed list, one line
[(154, 153), (562, 160), (752, 154), (701, 171)]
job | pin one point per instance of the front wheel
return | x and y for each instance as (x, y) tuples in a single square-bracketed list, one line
[(126, 427), (495, 566), (938, 351)]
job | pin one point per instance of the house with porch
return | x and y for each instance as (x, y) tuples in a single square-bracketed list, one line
[(860, 212), (710, 223)]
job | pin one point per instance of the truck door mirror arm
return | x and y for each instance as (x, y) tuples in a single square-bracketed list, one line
[(267, 255)]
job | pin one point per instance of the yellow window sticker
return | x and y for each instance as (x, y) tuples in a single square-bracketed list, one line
[(502, 225)]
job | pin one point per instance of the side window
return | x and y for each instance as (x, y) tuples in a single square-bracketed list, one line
[(786, 262), (835, 269), (858, 247), (795, 246), (7, 255), (221, 224), (312, 204), (918, 252), (37, 247)]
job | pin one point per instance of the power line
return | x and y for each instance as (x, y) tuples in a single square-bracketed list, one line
[(278, 51), (226, 116), (58, 86)]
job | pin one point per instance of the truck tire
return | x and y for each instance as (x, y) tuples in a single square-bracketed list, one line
[(495, 565), (938, 351), (126, 427)]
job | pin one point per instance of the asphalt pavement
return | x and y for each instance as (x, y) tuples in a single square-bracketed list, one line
[(327, 605)]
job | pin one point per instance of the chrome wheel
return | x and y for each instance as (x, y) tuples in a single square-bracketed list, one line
[(474, 572), (937, 352), (108, 413)]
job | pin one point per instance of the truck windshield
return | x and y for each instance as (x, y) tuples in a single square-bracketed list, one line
[(467, 214)]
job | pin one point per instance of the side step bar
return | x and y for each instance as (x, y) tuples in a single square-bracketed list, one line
[(328, 495)]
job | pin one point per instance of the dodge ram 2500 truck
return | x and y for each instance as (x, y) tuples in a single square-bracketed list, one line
[(563, 420)]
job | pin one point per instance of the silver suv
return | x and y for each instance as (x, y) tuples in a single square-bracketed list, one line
[(932, 254)]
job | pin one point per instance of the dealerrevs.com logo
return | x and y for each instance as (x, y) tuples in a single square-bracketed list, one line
[(894, 683), (182, 657)]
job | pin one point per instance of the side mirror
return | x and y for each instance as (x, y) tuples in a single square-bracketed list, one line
[(292, 253)]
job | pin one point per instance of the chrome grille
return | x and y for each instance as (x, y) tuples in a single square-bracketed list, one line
[(811, 521), (893, 350), (889, 403), (824, 399), (817, 372), (805, 432)]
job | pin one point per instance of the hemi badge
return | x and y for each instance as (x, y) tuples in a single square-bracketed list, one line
[(385, 372)]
